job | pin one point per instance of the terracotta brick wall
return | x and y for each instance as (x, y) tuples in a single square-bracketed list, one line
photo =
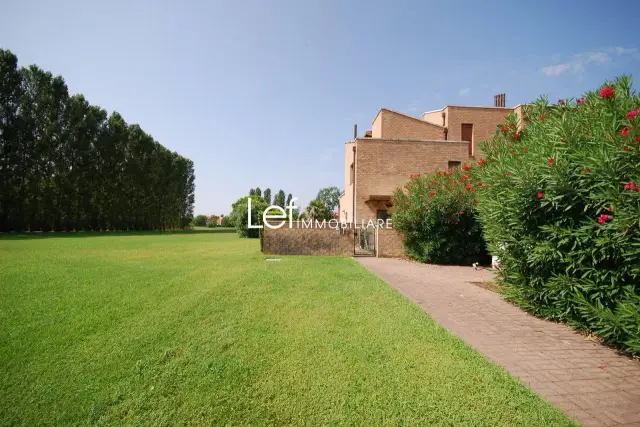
[(307, 241), (346, 200), (390, 243), (394, 125), (484, 119), (434, 117), (384, 165)]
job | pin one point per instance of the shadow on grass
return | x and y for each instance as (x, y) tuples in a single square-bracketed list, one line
[(80, 234)]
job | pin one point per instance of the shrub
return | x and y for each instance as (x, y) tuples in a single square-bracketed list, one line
[(239, 215), (436, 213), (200, 221), (562, 211)]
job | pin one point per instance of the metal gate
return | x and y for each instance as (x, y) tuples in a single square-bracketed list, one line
[(364, 242)]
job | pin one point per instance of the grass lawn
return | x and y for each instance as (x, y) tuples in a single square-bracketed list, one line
[(198, 329)]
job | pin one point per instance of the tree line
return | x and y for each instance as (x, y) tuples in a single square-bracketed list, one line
[(279, 199), (67, 165)]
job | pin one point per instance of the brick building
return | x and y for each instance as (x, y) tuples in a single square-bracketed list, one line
[(399, 145)]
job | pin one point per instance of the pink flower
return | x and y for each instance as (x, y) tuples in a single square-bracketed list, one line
[(607, 92), (624, 131), (580, 100), (632, 114), (604, 218), (631, 186), (540, 195)]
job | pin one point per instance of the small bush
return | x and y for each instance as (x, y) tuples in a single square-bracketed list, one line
[(239, 216), (436, 213), (562, 211)]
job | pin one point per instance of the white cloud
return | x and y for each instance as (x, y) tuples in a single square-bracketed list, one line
[(556, 70), (464, 91), (577, 63)]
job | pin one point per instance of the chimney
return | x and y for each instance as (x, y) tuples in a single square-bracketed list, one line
[(500, 100), (355, 132)]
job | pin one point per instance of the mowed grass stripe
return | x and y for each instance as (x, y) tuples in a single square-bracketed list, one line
[(197, 329)]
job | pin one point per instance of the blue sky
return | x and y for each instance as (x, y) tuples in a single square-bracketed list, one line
[(265, 93)]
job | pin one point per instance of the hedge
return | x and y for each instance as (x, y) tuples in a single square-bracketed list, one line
[(436, 213), (561, 208)]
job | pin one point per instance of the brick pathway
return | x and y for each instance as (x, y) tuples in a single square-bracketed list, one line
[(590, 382)]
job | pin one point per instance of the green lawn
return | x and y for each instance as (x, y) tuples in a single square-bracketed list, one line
[(198, 329)]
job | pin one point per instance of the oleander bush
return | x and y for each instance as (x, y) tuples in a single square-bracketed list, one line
[(561, 208), (436, 214)]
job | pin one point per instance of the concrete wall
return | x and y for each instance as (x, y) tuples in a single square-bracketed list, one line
[(307, 241), (389, 243), (484, 120), (384, 165)]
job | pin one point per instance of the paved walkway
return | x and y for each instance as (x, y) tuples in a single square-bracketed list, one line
[(590, 382)]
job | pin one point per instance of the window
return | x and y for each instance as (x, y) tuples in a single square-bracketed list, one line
[(382, 214), (466, 134), (453, 164), (352, 174)]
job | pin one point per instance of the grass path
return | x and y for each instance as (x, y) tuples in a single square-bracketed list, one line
[(197, 329)]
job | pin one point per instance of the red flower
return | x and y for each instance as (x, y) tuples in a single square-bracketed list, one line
[(542, 117), (434, 182), (469, 186), (433, 193), (439, 173), (551, 162), (467, 167), (517, 135), (504, 129), (561, 102), (637, 138), (508, 173), (610, 209), (457, 222), (632, 114), (624, 131), (604, 218), (461, 212), (580, 100), (454, 182), (631, 186), (482, 162), (540, 195), (607, 92)]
